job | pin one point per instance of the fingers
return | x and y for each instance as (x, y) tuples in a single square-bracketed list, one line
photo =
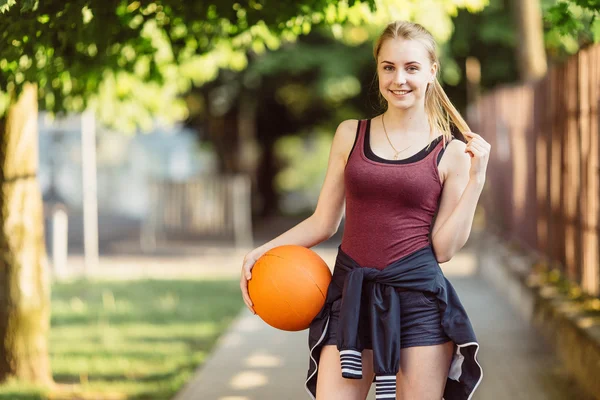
[(475, 138), (247, 270), (478, 147), (246, 276), (245, 295), (475, 152), (247, 266), (471, 134)]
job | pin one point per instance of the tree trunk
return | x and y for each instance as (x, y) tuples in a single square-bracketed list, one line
[(24, 275), (222, 131), (267, 171), (531, 52)]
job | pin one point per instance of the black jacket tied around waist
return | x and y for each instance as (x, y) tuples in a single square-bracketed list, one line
[(381, 307)]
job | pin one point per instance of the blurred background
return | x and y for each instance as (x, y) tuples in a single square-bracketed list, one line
[(146, 147)]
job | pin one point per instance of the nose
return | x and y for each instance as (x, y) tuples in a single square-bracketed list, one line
[(400, 77)]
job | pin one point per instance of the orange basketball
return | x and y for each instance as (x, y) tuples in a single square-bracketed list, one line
[(288, 287)]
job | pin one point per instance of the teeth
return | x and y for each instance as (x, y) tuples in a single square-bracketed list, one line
[(400, 91)]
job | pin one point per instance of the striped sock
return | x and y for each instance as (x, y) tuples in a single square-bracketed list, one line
[(385, 387), (351, 364)]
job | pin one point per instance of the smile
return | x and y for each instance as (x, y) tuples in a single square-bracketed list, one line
[(400, 92)]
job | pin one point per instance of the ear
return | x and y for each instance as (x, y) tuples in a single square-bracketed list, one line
[(434, 69)]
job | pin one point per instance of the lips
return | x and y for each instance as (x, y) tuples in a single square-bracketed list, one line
[(400, 93)]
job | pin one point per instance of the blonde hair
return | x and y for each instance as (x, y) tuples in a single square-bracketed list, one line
[(440, 110)]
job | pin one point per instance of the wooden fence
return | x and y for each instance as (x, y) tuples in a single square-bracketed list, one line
[(543, 178), (205, 207)]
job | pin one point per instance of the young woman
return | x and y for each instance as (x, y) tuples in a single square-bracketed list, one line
[(390, 315)]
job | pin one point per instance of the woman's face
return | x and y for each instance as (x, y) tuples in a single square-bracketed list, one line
[(404, 70)]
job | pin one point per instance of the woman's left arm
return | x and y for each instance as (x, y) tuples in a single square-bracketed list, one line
[(467, 164)]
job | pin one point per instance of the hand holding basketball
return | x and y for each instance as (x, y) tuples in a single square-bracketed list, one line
[(247, 265), (288, 287)]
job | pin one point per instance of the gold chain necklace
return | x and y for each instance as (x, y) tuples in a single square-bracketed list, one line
[(388, 138)]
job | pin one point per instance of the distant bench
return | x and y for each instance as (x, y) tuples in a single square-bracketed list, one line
[(212, 206)]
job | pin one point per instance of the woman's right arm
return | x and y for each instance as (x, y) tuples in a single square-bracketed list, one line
[(325, 220)]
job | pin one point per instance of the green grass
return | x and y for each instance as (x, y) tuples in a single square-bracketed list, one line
[(131, 340)]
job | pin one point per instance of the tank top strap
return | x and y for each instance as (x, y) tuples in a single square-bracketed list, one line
[(359, 137), (438, 152)]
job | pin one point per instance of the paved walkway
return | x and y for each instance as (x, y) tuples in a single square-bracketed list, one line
[(204, 262), (256, 362)]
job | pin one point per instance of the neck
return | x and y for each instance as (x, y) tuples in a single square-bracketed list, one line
[(406, 122)]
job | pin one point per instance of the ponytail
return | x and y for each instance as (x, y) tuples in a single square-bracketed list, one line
[(441, 112)]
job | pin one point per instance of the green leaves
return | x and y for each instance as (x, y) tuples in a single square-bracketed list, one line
[(571, 24), (6, 4), (561, 18), (595, 29), (589, 4), (87, 14), (68, 48), (26, 5)]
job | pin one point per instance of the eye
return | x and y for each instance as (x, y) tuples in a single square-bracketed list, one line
[(412, 68), (388, 68)]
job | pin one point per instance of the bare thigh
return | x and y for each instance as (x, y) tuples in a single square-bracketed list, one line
[(330, 383), (424, 371)]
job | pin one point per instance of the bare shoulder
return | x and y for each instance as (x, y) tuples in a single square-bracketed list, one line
[(346, 130), (345, 135), (455, 161), (456, 147)]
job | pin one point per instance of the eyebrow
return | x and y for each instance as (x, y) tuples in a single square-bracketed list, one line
[(410, 62)]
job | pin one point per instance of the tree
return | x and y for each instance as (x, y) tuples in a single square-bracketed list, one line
[(475, 35), (570, 25), (310, 82), (531, 51), (101, 54), (283, 92), (562, 27), (24, 289), (130, 61)]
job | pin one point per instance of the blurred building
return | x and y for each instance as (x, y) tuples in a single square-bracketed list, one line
[(125, 163), (125, 166)]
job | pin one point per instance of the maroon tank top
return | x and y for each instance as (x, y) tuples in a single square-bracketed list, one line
[(390, 204)]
